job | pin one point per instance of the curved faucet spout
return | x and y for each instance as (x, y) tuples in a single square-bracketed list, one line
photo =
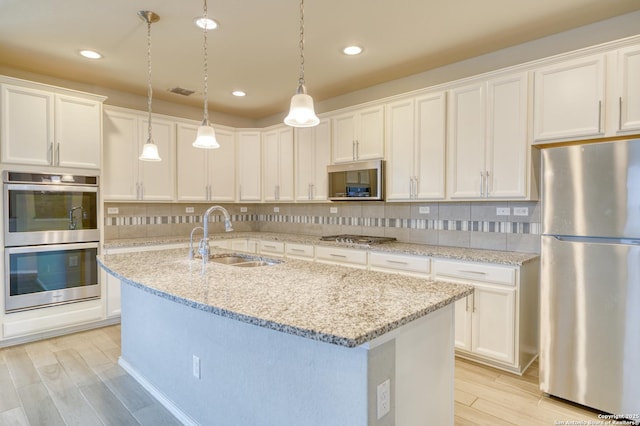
[(204, 244), (191, 240)]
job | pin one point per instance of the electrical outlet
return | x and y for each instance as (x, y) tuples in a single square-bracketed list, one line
[(243, 209), (113, 210), (424, 209), (276, 209), (333, 210), (521, 211), (384, 398), (196, 367), (189, 210), (503, 211)]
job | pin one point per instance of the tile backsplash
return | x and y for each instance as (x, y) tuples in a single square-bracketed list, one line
[(461, 224)]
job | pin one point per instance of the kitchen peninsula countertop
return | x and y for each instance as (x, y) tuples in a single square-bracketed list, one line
[(459, 253), (333, 304)]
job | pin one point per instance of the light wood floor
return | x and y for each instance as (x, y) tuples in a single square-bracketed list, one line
[(75, 380)]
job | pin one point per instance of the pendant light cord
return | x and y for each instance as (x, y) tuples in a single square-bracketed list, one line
[(301, 79), (149, 89), (206, 69)]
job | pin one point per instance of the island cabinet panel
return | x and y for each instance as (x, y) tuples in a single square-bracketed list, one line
[(497, 324), (42, 127)]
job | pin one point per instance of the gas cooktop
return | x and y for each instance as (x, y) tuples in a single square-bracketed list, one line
[(356, 239)]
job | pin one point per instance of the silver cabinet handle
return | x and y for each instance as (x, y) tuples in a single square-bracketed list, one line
[(487, 184), (58, 154), (620, 113), (481, 184), (297, 250), (239, 192), (342, 256), (50, 153), (466, 304), (357, 149), (599, 116), (474, 302), (415, 187), (471, 272), (269, 246), (353, 149), (397, 262)]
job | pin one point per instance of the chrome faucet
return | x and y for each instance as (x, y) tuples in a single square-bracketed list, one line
[(203, 248), (191, 241), (72, 219)]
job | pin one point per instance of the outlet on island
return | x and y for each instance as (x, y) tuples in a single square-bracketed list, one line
[(384, 398)]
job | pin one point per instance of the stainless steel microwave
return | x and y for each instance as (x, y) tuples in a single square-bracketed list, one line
[(357, 181)]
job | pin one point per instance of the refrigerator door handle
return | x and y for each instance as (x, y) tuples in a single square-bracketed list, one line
[(598, 240)]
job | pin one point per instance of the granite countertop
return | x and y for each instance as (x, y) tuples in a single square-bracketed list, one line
[(339, 305), (459, 253)]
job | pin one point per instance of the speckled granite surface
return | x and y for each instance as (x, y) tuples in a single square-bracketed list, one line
[(333, 304), (459, 253)]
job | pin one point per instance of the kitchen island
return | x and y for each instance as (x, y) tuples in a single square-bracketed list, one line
[(291, 343)]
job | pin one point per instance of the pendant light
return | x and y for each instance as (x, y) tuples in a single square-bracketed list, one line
[(301, 113), (206, 137), (150, 149)]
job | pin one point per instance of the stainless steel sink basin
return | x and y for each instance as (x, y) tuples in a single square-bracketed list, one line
[(243, 261)]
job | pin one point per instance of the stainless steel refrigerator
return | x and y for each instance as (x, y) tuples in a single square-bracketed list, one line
[(590, 277)]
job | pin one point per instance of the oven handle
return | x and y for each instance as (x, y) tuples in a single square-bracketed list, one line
[(50, 187), (51, 247)]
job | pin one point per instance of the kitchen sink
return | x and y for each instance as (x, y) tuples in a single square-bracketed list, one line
[(243, 260)]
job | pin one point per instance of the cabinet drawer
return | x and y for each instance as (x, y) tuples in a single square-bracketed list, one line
[(478, 272), (302, 251), (340, 255), (399, 262), (272, 247)]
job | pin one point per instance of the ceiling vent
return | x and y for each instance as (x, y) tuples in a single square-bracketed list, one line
[(181, 91)]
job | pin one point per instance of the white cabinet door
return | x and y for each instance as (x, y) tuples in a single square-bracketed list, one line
[(462, 324), (249, 166), (400, 149), (126, 177), (629, 89), (358, 135), (221, 174), (506, 171), (78, 129), (157, 178), (192, 179), (466, 144), (312, 150), (568, 99), (27, 126), (113, 294), (493, 331), (277, 145), (120, 150), (416, 130)]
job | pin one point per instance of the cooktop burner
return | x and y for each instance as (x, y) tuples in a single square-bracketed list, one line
[(357, 239)]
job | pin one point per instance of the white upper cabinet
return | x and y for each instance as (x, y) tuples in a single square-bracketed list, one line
[(127, 178), (277, 153), (628, 89), (312, 150), (569, 99), (487, 144), (45, 128), (205, 174), (249, 168), (416, 139), (358, 135)]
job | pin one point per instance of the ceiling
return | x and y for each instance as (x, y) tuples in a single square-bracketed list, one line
[(255, 48)]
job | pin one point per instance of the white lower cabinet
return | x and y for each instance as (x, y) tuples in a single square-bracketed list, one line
[(299, 251), (112, 294), (498, 323), (404, 264), (271, 248)]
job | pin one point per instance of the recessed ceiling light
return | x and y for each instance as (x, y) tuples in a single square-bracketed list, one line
[(239, 93), (352, 50), (205, 23), (91, 54)]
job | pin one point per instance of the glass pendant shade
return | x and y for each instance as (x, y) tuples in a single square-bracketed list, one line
[(150, 152), (301, 113), (206, 137)]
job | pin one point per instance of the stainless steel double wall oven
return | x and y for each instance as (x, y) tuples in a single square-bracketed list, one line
[(51, 239)]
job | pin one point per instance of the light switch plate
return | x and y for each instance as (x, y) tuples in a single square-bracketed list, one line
[(189, 210), (113, 210), (503, 211), (424, 209), (276, 209), (333, 210), (243, 209), (521, 211)]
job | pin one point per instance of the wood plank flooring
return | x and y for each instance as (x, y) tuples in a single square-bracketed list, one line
[(75, 380)]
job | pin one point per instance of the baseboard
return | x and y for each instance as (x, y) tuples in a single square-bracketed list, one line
[(13, 341), (167, 403)]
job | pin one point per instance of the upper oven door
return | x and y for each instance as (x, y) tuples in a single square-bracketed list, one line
[(49, 214)]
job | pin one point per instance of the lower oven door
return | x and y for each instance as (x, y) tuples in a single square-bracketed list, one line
[(37, 276)]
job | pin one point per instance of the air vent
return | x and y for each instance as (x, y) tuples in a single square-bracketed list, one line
[(181, 91)]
